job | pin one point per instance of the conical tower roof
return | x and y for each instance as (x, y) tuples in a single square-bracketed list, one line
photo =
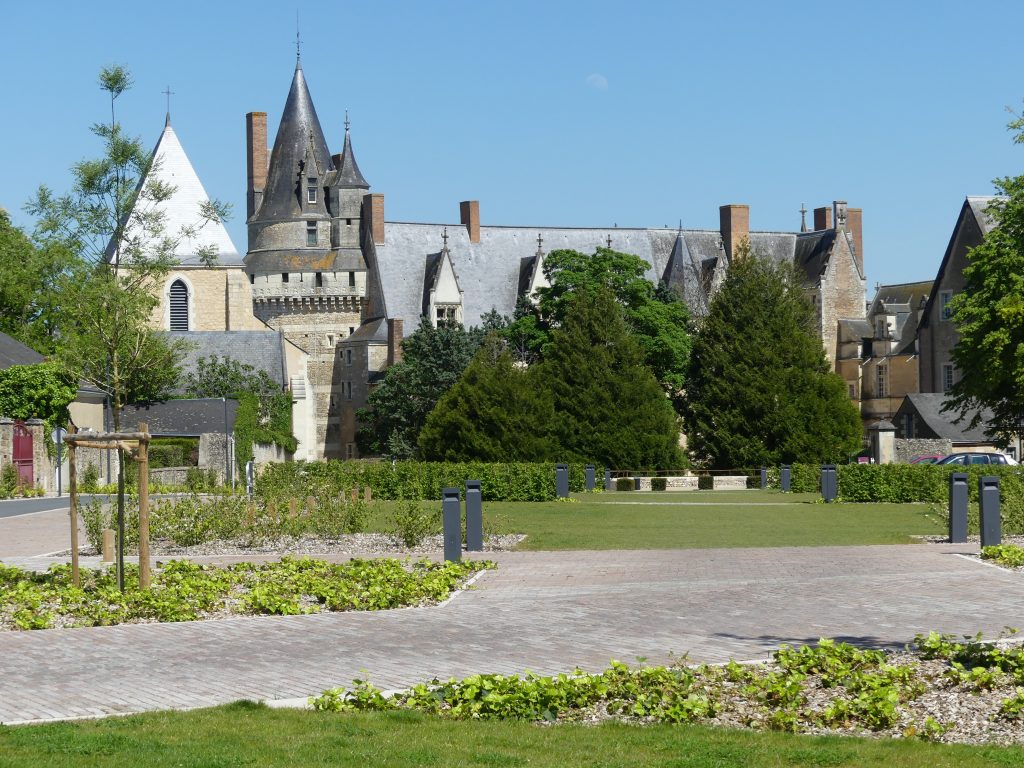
[(349, 174), (299, 129), (181, 211)]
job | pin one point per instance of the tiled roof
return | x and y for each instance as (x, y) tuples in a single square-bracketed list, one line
[(263, 350), (183, 418)]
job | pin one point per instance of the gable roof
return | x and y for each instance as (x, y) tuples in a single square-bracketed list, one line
[(263, 350), (928, 407), (13, 352)]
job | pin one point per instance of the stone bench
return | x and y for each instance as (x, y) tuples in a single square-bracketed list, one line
[(729, 483)]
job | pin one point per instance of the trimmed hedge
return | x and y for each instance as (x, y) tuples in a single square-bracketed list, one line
[(909, 483), (416, 479)]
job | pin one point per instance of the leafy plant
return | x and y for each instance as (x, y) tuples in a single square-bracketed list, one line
[(413, 522)]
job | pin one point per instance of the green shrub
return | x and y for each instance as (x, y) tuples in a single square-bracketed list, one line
[(413, 522), (658, 483), (90, 478), (705, 482), (625, 484), (8, 480)]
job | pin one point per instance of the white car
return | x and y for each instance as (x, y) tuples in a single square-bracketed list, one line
[(977, 458)]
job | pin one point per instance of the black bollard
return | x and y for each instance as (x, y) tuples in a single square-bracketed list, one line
[(958, 492), (988, 497), (764, 478), (589, 473), (784, 478), (451, 511), (609, 485), (474, 517), (562, 481), (829, 483)]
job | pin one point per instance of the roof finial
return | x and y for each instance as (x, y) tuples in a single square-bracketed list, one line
[(609, 241), (347, 123), (803, 217), (680, 226), (444, 236), (298, 40), (540, 244), (168, 93)]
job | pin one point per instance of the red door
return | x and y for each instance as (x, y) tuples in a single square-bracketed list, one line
[(23, 454)]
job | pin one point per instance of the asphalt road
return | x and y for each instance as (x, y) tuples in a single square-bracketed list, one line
[(16, 507)]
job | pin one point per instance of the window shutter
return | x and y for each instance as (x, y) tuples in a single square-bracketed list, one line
[(179, 306)]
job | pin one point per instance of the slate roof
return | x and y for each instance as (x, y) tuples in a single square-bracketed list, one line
[(13, 352), (812, 251), (349, 174), (928, 407), (183, 418), (171, 166), (263, 350), (299, 126), (853, 329), (371, 331), (491, 271)]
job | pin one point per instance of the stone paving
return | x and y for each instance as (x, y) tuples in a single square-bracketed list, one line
[(544, 611)]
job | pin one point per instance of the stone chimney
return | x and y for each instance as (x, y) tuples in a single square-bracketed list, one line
[(336, 159), (373, 215), (854, 225), (256, 160), (394, 341), (735, 226), (469, 215), (822, 218)]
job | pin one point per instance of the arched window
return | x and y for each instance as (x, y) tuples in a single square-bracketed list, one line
[(179, 306)]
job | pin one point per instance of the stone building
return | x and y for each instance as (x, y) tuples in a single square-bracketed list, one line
[(334, 278)]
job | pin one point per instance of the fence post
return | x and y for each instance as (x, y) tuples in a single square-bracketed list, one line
[(589, 473), (988, 498), (958, 508), (451, 513), (785, 475), (562, 481), (474, 517)]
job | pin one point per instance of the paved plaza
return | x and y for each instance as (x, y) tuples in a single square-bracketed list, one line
[(543, 611)]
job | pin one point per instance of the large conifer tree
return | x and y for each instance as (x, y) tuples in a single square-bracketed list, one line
[(760, 390)]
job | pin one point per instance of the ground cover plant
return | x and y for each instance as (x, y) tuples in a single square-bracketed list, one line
[(249, 734), (1009, 555), (930, 691), (186, 591)]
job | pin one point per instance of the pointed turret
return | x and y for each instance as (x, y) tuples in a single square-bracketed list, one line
[(299, 133), (348, 171)]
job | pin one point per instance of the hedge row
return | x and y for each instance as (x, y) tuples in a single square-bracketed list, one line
[(905, 483), (415, 479)]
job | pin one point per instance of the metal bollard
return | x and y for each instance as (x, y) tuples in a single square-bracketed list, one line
[(451, 511), (829, 483), (764, 478), (562, 481), (250, 478), (785, 477), (988, 497), (474, 517), (608, 484), (589, 473), (958, 493)]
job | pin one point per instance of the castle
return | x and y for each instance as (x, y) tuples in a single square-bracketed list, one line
[(328, 287)]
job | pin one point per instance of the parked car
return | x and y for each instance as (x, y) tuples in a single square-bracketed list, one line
[(927, 458), (977, 458)]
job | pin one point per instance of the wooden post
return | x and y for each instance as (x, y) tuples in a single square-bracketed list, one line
[(355, 494), (108, 545), (272, 511), (144, 575), (73, 508), (293, 508), (310, 505), (367, 494)]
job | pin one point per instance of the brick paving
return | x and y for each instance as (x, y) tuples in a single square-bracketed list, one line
[(544, 611)]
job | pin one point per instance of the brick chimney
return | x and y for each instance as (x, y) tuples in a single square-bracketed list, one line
[(469, 214), (854, 225), (735, 226), (256, 160), (394, 341), (373, 215), (822, 218)]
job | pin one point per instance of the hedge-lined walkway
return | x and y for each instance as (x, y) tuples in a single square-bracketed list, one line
[(544, 611)]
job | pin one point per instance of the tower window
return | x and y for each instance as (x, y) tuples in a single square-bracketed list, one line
[(348, 222), (310, 233), (351, 279), (284, 277), (311, 190), (252, 279), (179, 306), (319, 279)]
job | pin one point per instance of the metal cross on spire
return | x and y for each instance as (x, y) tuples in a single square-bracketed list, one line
[(803, 217), (168, 93), (346, 121), (609, 241), (540, 244), (298, 40), (444, 236)]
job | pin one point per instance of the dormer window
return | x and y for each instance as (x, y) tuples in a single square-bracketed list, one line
[(446, 314), (311, 189), (310, 233)]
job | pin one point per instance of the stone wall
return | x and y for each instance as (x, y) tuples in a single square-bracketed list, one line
[(269, 453), (906, 449), (214, 453)]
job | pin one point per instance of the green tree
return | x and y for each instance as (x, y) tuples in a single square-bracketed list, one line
[(989, 316), (658, 319), (113, 224), (433, 359), (608, 407), (30, 298), (492, 413), (41, 391), (760, 390), (224, 376)]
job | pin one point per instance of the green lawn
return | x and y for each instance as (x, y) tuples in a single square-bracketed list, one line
[(250, 735), (707, 519)]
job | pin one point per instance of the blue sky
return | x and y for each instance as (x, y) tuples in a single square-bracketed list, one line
[(569, 113)]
